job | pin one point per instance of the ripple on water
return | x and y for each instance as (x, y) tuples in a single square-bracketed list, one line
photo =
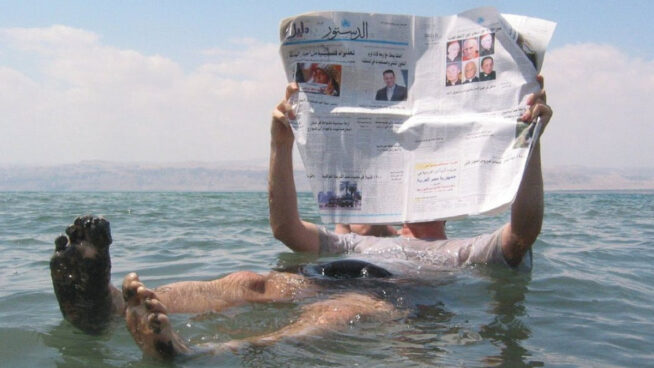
[(588, 302)]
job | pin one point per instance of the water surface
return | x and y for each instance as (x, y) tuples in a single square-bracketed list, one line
[(588, 301)]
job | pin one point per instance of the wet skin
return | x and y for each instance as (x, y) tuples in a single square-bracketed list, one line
[(81, 269)]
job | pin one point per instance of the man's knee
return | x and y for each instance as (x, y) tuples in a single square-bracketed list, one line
[(248, 279)]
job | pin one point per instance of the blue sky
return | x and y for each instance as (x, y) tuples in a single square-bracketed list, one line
[(66, 67), (180, 29)]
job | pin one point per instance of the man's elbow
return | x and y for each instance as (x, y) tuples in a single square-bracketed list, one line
[(281, 232), (527, 239), (516, 244), (291, 236), (525, 230)]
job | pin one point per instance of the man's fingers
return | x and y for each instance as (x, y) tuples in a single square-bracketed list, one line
[(284, 107), (534, 98), (291, 88), (537, 97), (284, 110), (279, 113), (530, 99), (536, 110), (278, 116), (541, 81), (542, 110)]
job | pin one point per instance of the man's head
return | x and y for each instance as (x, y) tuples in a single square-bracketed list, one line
[(470, 69), (319, 73), (487, 64), (470, 49), (486, 41), (453, 49), (453, 72), (389, 78), (430, 230)]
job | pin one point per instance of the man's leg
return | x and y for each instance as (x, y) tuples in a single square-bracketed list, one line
[(81, 269), (234, 289), (147, 320), (335, 313)]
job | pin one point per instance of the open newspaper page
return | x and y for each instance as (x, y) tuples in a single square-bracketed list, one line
[(404, 118)]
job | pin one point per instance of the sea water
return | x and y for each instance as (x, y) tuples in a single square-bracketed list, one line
[(589, 300)]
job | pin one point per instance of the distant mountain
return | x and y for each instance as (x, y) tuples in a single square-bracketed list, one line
[(251, 176), (584, 178), (108, 176)]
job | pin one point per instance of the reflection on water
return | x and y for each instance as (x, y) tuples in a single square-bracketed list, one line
[(75, 348), (508, 331)]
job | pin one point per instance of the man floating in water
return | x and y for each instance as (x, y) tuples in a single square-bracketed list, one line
[(81, 265)]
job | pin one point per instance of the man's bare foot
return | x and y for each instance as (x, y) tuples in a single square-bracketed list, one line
[(147, 320), (81, 269)]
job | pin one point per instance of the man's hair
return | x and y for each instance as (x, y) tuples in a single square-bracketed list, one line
[(456, 65), (388, 71), (487, 58)]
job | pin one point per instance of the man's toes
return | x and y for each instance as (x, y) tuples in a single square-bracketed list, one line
[(97, 230), (60, 243), (92, 229), (132, 276), (155, 306), (74, 232), (129, 279), (131, 285), (145, 293), (158, 322), (131, 293)]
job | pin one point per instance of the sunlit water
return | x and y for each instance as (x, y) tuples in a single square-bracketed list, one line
[(589, 300)]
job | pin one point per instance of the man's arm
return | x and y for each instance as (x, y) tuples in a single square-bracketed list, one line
[(527, 209), (285, 221)]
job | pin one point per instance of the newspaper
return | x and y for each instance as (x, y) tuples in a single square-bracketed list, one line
[(404, 118)]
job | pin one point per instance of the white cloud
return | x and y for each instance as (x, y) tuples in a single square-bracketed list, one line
[(83, 99), (601, 99), (93, 101), (55, 39)]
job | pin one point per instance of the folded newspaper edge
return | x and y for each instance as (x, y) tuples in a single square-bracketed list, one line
[(404, 118)]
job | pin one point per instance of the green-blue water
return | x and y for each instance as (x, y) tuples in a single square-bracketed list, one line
[(589, 300)]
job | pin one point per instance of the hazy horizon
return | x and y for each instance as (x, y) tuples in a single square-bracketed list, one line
[(247, 176)]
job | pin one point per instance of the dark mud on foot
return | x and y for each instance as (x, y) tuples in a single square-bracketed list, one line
[(81, 269)]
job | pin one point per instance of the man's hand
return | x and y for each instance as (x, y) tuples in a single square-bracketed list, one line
[(280, 130), (538, 107)]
